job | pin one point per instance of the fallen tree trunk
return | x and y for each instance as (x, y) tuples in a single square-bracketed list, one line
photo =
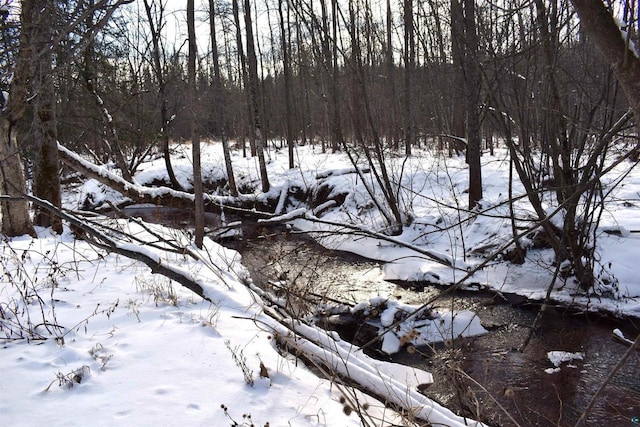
[(397, 385), (246, 205)]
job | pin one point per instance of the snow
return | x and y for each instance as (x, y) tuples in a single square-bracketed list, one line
[(618, 333), (626, 37), (126, 347), (136, 349), (286, 217), (560, 357), (439, 235), (403, 324)]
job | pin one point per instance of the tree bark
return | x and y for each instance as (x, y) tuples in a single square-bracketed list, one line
[(198, 192), (472, 83), (409, 65), (391, 84), (244, 76), (338, 138), (156, 54), (219, 102), (600, 25), (284, 35), (252, 66), (15, 213), (46, 180), (457, 127)]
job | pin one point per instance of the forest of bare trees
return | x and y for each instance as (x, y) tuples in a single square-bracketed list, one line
[(119, 79), (403, 72)]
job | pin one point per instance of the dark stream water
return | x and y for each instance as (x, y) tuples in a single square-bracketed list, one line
[(505, 380)]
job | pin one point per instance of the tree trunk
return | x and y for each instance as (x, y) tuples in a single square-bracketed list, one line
[(15, 213), (409, 64), (287, 84), (472, 74), (195, 139), (219, 102), (252, 66), (244, 77), (457, 127), (162, 89), (335, 100), (600, 25), (391, 84), (46, 180)]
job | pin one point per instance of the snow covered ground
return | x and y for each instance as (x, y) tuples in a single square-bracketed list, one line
[(129, 347)]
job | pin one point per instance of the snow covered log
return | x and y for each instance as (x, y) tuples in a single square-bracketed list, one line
[(396, 384), (247, 205), (129, 250)]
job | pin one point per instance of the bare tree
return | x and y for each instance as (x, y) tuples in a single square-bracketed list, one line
[(391, 75), (252, 68), (156, 21), (244, 76), (15, 213), (46, 180), (409, 65), (335, 100), (284, 35), (364, 127), (616, 46), (457, 127), (472, 84), (219, 100), (198, 192)]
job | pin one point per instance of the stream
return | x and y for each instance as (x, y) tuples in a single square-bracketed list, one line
[(505, 380), (484, 377)]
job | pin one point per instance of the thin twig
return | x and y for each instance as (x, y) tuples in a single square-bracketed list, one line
[(607, 380)]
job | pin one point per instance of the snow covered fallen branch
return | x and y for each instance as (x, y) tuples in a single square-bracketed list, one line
[(619, 337), (297, 213), (129, 250), (399, 385), (163, 196), (438, 257)]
